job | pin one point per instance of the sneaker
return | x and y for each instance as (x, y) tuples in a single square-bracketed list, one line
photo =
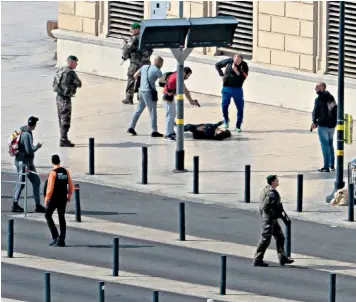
[(226, 125), (332, 168), (169, 138), (127, 102), (324, 170), (238, 130), (260, 263), (66, 143), (156, 134), (40, 209), (132, 131), (53, 242), (16, 208)]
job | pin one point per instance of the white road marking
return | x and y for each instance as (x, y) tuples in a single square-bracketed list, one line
[(198, 243), (133, 279)]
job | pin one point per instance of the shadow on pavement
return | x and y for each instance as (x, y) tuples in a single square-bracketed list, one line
[(101, 213), (119, 145), (108, 246)]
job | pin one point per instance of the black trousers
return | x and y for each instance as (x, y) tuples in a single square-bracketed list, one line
[(60, 206)]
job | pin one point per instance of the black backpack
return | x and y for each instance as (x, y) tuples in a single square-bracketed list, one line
[(163, 79)]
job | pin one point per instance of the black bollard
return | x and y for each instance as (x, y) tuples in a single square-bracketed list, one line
[(115, 257), (196, 175), (144, 165), (78, 211), (351, 189), (155, 296), (300, 193), (91, 156), (47, 289), (247, 183), (223, 276), (182, 221), (332, 288), (101, 297), (10, 239), (288, 244)]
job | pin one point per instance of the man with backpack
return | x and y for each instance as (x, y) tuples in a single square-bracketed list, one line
[(325, 120), (149, 74), (169, 92), (65, 84), (236, 72), (21, 146)]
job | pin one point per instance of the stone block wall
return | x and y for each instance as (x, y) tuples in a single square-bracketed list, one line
[(79, 16), (286, 34)]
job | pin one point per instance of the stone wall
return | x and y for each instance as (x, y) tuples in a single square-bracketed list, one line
[(287, 34), (79, 16)]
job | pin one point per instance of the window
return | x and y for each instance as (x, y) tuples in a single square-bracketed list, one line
[(333, 38), (243, 38), (122, 15)]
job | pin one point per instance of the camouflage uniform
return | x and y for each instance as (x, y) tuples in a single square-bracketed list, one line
[(270, 210), (65, 84), (138, 58)]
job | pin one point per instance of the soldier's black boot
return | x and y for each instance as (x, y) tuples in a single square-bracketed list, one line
[(66, 143), (127, 101), (260, 263), (283, 260)]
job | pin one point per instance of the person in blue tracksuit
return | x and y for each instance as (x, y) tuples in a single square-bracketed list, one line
[(236, 72)]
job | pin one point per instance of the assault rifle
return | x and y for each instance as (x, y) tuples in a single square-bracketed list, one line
[(284, 215)]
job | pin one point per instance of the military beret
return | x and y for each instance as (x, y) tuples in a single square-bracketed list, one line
[(135, 25), (271, 178), (74, 58)]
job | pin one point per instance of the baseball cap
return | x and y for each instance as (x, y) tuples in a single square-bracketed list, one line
[(135, 25), (32, 121)]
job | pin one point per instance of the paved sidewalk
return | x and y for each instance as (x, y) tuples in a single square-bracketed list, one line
[(275, 140)]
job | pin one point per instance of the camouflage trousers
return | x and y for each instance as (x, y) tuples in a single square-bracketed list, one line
[(270, 228), (64, 111)]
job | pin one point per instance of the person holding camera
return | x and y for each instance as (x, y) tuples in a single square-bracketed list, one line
[(149, 74), (271, 209), (236, 72)]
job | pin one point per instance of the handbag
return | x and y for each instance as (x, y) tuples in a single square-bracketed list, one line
[(154, 93)]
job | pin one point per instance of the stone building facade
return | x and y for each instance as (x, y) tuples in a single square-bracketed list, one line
[(288, 44)]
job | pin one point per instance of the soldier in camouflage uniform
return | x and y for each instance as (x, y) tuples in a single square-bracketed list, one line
[(271, 209), (137, 57), (65, 84)]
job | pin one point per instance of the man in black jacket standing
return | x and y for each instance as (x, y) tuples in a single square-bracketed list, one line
[(236, 71), (325, 120)]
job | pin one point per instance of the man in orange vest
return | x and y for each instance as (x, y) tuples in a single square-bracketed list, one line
[(59, 189)]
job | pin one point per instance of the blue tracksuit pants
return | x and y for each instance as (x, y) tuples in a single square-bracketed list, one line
[(238, 96)]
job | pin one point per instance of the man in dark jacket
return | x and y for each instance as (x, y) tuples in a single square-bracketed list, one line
[(271, 209), (325, 120), (207, 131), (236, 71), (26, 155)]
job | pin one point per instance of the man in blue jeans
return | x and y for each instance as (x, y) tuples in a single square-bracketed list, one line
[(236, 71), (325, 120)]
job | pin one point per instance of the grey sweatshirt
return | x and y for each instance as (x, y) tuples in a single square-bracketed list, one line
[(26, 148)]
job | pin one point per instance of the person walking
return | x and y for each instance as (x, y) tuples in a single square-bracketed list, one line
[(169, 92), (236, 72), (26, 155), (149, 74), (325, 119), (65, 84), (59, 190), (137, 57), (271, 209)]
